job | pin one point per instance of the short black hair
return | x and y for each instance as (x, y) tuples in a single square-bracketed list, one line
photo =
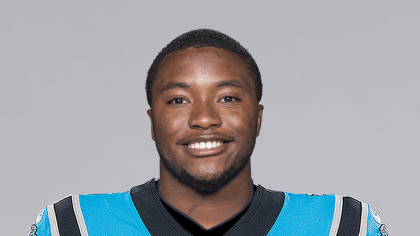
[(204, 38)]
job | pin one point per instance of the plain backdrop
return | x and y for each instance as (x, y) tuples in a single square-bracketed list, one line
[(341, 95)]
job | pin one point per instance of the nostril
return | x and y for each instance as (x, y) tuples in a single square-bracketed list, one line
[(204, 116)]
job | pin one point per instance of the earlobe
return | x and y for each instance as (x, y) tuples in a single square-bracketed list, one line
[(149, 112), (259, 121)]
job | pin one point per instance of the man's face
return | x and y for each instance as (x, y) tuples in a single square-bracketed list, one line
[(205, 117)]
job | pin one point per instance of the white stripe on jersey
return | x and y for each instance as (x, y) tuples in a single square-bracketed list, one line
[(53, 220), (363, 220), (337, 215), (79, 215)]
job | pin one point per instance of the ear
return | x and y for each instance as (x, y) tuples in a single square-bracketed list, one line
[(260, 112), (149, 112)]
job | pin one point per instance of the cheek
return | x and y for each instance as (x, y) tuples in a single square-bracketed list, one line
[(240, 121), (169, 123)]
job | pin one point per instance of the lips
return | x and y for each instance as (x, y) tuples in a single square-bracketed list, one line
[(206, 151), (205, 138), (206, 145)]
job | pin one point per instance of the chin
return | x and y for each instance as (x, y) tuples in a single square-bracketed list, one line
[(207, 171), (209, 177), (207, 182)]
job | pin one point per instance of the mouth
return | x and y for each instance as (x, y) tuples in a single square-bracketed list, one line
[(205, 145), (210, 145), (206, 149)]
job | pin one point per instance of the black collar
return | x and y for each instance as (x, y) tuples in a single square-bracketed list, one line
[(258, 219), (194, 228)]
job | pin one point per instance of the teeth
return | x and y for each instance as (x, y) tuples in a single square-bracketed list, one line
[(205, 145)]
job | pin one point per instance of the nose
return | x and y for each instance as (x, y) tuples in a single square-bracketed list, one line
[(204, 115)]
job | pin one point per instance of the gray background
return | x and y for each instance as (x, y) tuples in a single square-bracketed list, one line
[(341, 95)]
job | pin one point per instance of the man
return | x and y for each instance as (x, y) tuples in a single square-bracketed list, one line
[(204, 91)]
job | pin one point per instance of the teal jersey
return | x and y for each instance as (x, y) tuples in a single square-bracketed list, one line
[(141, 212)]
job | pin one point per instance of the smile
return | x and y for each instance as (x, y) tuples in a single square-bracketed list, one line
[(205, 145)]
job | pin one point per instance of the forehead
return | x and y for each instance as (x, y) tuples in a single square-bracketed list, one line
[(196, 64)]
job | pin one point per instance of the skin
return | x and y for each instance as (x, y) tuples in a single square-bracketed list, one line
[(201, 105)]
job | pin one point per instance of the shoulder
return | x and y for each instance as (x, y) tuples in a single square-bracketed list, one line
[(41, 226), (336, 214), (355, 217), (72, 211)]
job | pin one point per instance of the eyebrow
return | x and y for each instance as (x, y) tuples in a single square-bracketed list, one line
[(224, 83), (173, 85), (230, 83)]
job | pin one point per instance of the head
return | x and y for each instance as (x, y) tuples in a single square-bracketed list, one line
[(204, 90)]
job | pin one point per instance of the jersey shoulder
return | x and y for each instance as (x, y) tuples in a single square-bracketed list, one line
[(351, 216), (98, 212), (328, 214), (41, 226)]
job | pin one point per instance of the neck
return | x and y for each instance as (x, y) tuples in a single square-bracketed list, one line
[(211, 209)]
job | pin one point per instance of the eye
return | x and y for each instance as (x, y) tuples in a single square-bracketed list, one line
[(229, 99), (177, 101)]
